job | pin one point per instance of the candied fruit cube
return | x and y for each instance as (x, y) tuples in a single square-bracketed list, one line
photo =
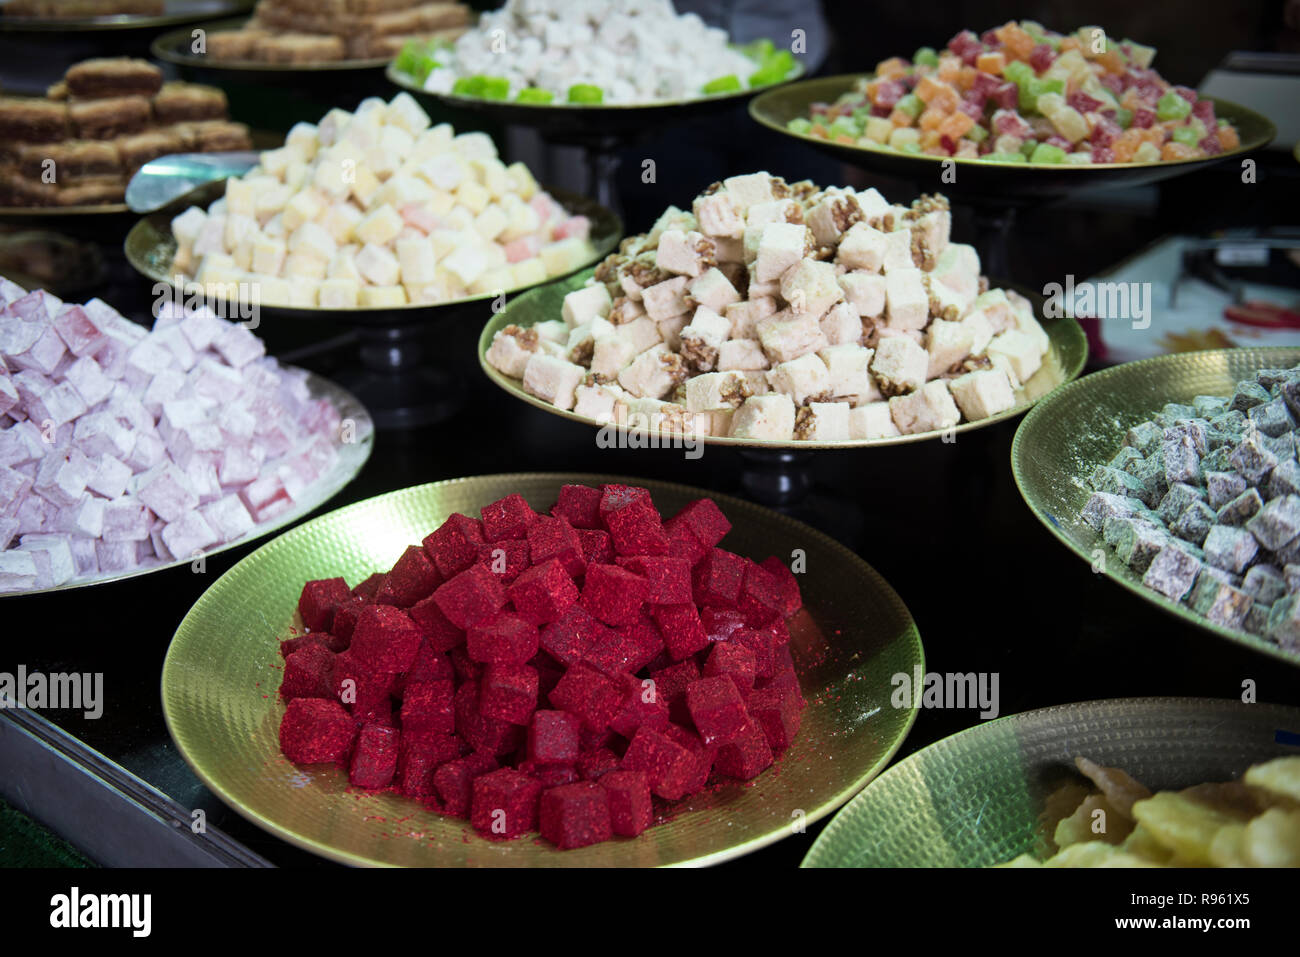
[(668, 579), (719, 578), (703, 520), (616, 497), (454, 545), (542, 593), (721, 624), (681, 628), (506, 639), (427, 707), (506, 559), (703, 755), (315, 731), (436, 627), (315, 639), (454, 781), (504, 803), (597, 546), (746, 756), (588, 694), (472, 596), (346, 614), (573, 634), (374, 760), (735, 661), (413, 578), (308, 673), (613, 594), (319, 599), (553, 737), (365, 590), (555, 538), (507, 518), (483, 732), (760, 595), (429, 665), (419, 757), (596, 763), (628, 649), (763, 645), (668, 766), (575, 815), (642, 706), (717, 709), (579, 505), (364, 691), (777, 712), (508, 693), (636, 529), (791, 599), (630, 807), (385, 639), (465, 667)]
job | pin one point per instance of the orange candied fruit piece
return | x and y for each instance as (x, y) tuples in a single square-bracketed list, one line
[(818, 130), (956, 125), (845, 138), (949, 69), (1126, 145), (1176, 151), (1015, 40), (931, 119), (991, 62), (1110, 61), (901, 118), (930, 139), (966, 78), (891, 69), (1228, 138), (1069, 43)]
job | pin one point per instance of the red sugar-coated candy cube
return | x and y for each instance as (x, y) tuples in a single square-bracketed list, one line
[(553, 737), (508, 693), (721, 624), (626, 650), (364, 692), (374, 760), (591, 739), (465, 668), (319, 599), (315, 731), (413, 578), (586, 693), (597, 546), (548, 671), (346, 614), (636, 529), (683, 544), (550, 775), (555, 538), (427, 707), (454, 781), (780, 633), (542, 593), (454, 545), (791, 599), (308, 673), (671, 682), (506, 559), (504, 803), (641, 706), (436, 627), (595, 764), (681, 628), (419, 757), (509, 517), (579, 505), (760, 596), (668, 579), (505, 639), (614, 498), (746, 756), (575, 815), (717, 709), (429, 665), (472, 596), (630, 807), (778, 714), (668, 766), (762, 645), (735, 661), (614, 595), (702, 754), (704, 520), (718, 579), (317, 639), (483, 732), (385, 639), (784, 677), (572, 635), (365, 590)]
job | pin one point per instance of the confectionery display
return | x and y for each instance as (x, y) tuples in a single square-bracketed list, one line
[(80, 145), (323, 31), (776, 311), (1254, 822), (67, 9), (379, 208), (1022, 93), (1204, 501), (122, 448), (590, 52), (564, 672)]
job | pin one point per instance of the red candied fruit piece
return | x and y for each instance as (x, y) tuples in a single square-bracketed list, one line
[(550, 775), (777, 712), (483, 732), (681, 629), (719, 578), (429, 665), (747, 756), (465, 667), (555, 538), (616, 497), (317, 639), (630, 807), (454, 781), (374, 760), (413, 577), (427, 706), (628, 649), (318, 600), (734, 661), (636, 529), (784, 677), (579, 505), (542, 593), (504, 804), (613, 594), (642, 707), (717, 709), (315, 731), (760, 596), (682, 544), (308, 673), (345, 620), (597, 546), (507, 518), (365, 590), (721, 624), (586, 693), (671, 682), (454, 545), (703, 520), (575, 815), (506, 639), (419, 757), (553, 737), (508, 693), (385, 640), (572, 635), (549, 673), (791, 599), (507, 560), (472, 596), (667, 765), (763, 645), (596, 763), (364, 691), (668, 579), (702, 755), (436, 627)]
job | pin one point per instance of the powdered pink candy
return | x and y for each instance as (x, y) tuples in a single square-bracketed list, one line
[(78, 331)]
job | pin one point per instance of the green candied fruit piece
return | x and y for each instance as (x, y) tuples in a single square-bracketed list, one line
[(1018, 72), (586, 93), (926, 56), (1147, 153), (1185, 135), (1171, 106), (844, 126), (468, 86), (1005, 158), (1047, 153), (495, 88), (1123, 117), (861, 114), (977, 134), (910, 104), (415, 61), (1078, 159), (1031, 91), (800, 125), (782, 60), (723, 84), (1027, 147), (760, 49), (910, 148), (533, 94)]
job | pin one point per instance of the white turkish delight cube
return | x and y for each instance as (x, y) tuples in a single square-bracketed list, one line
[(89, 380), (685, 253), (847, 370), (78, 330), (117, 556), (582, 339), (701, 338), (266, 497), (110, 478), (188, 536), (41, 353), (862, 247), (228, 518), (907, 303), (981, 332), (810, 286), (164, 387), (126, 519), (167, 492), (85, 519), (927, 409), (8, 394), (665, 299), (765, 417), (652, 374), (874, 206), (831, 215), (239, 464), (785, 336), (17, 570), (596, 402), (641, 333), (931, 231), (53, 557), (1018, 352), (898, 250), (801, 379), (780, 246), (21, 443), (1024, 320), (716, 390), (770, 211), (83, 555), (32, 513), (841, 325), (583, 305), (749, 188), (899, 365), (611, 354), (983, 393), (511, 349), (741, 355), (865, 292), (238, 346), (195, 443), (827, 422), (958, 269), (378, 265), (713, 289), (948, 343), (62, 475), (147, 451), (552, 379), (744, 316), (719, 214)]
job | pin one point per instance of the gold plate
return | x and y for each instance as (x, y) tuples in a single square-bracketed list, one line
[(1083, 425), (979, 797), (174, 11), (222, 672), (352, 457), (13, 213), (173, 47), (776, 108), (150, 248), (1063, 362)]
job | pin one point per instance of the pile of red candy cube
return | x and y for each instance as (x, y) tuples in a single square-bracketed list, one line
[(550, 672)]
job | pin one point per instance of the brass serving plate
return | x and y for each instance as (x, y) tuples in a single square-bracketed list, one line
[(979, 797), (353, 456), (174, 47), (223, 668), (39, 213), (174, 11), (150, 248), (776, 108), (1083, 426), (1064, 361)]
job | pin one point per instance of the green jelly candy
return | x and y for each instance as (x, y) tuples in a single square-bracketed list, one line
[(533, 94), (845, 127), (910, 104), (1185, 135), (1005, 157), (799, 125), (495, 88), (1171, 106), (1123, 117), (910, 148), (723, 84), (977, 134), (926, 56), (586, 93), (1047, 153), (468, 86)]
